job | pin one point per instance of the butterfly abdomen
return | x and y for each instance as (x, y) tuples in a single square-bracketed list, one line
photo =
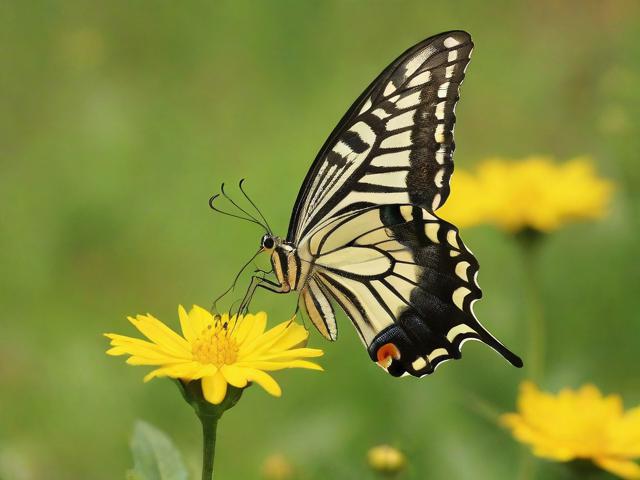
[(293, 273)]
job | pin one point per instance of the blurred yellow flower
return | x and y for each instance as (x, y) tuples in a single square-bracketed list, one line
[(534, 193), (386, 459), (218, 350), (578, 424), (277, 467)]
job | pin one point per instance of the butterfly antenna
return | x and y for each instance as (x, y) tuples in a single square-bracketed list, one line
[(216, 209), (254, 205), (240, 208)]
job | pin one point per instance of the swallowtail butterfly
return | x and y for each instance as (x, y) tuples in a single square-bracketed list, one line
[(364, 233)]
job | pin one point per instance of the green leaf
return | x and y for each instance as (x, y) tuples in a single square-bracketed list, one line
[(154, 455)]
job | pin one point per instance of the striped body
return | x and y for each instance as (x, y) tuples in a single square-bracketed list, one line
[(296, 274), (289, 270)]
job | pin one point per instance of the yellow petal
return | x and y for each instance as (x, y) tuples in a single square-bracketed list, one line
[(624, 434), (214, 388), (199, 318), (185, 371), (123, 340), (626, 469), (159, 333), (146, 360), (273, 366), (541, 444), (266, 342), (284, 355), (250, 328), (235, 375), (296, 337), (205, 371), (134, 346), (265, 380), (276, 333), (188, 330), (243, 326)]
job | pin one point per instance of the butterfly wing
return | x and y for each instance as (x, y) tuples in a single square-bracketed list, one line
[(407, 282), (395, 144), (365, 219)]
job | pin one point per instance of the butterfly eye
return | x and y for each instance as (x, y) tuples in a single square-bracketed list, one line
[(268, 243)]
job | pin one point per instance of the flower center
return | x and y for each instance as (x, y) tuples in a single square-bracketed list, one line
[(215, 347)]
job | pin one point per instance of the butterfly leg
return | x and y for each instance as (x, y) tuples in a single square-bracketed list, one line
[(263, 272), (261, 282)]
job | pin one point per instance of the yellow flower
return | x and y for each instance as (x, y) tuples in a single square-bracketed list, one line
[(578, 424), (386, 459), (218, 350), (534, 193)]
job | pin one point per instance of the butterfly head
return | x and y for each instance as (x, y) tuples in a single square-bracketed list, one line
[(269, 242)]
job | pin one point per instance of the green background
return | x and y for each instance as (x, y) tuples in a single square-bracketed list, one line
[(118, 120)]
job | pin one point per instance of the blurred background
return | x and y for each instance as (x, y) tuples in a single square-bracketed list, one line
[(119, 119)]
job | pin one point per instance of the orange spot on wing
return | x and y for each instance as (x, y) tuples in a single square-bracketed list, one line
[(386, 353)]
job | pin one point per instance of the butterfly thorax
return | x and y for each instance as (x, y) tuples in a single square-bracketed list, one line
[(290, 271)]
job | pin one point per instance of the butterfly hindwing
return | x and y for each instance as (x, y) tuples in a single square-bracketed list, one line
[(408, 283), (318, 307), (440, 318)]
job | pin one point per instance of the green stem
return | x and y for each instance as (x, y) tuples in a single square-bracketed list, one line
[(530, 245), (529, 241), (527, 466), (209, 428), (209, 415)]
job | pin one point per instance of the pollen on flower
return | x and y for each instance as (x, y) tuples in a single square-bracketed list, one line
[(215, 347)]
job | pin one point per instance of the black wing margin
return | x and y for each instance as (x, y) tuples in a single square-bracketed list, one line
[(439, 317)]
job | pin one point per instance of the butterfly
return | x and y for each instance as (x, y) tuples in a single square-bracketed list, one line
[(364, 234)]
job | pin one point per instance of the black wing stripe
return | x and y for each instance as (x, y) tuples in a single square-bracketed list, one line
[(319, 309), (348, 304)]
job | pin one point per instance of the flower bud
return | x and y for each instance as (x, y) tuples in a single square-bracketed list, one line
[(386, 459)]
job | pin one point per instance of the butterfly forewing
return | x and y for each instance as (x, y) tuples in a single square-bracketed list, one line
[(395, 144)]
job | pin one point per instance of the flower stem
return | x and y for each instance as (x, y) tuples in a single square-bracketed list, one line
[(208, 414), (530, 245), (209, 428), (529, 242), (526, 471)]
